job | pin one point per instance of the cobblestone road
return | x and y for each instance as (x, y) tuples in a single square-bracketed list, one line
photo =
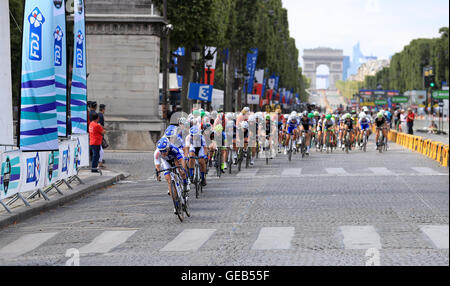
[(327, 209)]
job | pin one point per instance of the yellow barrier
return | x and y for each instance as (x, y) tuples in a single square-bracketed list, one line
[(432, 149)]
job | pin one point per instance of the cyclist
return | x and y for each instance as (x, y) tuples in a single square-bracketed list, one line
[(291, 128), (365, 124), (167, 156), (280, 120), (195, 146), (306, 124), (355, 125), (381, 124), (349, 127), (327, 126), (253, 128)]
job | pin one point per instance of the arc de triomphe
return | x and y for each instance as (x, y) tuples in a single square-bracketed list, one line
[(313, 58)]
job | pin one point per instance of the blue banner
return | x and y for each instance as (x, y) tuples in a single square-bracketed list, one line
[(199, 91), (38, 120), (251, 68), (59, 34), (78, 94), (277, 81), (178, 52)]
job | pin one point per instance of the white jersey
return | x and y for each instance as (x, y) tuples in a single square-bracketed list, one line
[(196, 141)]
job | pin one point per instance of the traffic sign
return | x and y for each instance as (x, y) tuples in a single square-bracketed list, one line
[(440, 94), (400, 99), (381, 102)]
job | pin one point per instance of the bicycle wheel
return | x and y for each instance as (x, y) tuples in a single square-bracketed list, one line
[(197, 183), (303, 147), (240, 158), (365, 142), (249, 155), (347, 143), (219, 163), (290, 150), (230, 160), (177, 202)]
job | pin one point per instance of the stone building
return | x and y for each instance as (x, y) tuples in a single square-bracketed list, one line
[(123, 63)]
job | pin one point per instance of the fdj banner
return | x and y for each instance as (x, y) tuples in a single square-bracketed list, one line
[(38, 121), (82, 149), (251, 67), (59, 36), (52, 168), (10, 174), (78, 97), (64, 159), (200, 92), (33, 170)]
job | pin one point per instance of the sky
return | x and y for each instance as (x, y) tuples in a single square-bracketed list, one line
[(383, 27)]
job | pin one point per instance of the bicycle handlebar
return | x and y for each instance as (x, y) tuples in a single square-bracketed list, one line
[(170, 170)]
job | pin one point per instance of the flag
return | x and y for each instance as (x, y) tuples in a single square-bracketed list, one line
[(212, 69), (78, 95), (38, 119), (59, 34), (251, 67)]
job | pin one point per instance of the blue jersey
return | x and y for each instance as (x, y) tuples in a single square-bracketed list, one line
[(173, 154)]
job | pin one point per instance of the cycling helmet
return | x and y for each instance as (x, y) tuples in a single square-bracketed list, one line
[(380, 115), (207, 114), (196, 113), (294, 113), (163, 144), (305, 113), (182, 121), (311, 115), (194, 131), (333, 117), (328, 116), (316, 114), (219, 128), (244, 125), (365, 109), (268, 117), (362, 115), (229, 116), (291, 118), (171, 131)]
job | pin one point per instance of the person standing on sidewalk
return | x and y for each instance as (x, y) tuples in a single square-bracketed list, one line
[(96, 133), (101, 121), (410, 121)]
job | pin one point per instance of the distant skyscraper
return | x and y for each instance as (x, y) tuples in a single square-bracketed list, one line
[(358, 59), (346, 67)]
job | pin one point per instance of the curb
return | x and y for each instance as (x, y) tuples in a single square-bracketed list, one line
[(70, 196)]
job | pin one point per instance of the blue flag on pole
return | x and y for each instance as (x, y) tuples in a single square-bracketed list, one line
[(38, 120), (251, 68), (59, 24), (199, 91), (78, 95)]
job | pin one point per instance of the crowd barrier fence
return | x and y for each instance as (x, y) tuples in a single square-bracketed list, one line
[(39, 172)]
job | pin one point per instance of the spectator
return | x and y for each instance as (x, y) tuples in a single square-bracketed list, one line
[(101, 121), (92, 109), (402, 125), (433, 128), (410, 121), (96, 133)]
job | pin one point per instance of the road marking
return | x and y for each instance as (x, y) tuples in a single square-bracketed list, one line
[(25, 244), (426, 171), (291, 172), (438, 234), (106, 241), (381, 171), (360, 237), (247, 172), (189, 240), (336, 171), (274, 238)]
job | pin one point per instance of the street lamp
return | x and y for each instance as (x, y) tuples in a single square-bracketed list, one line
[(209, 63)]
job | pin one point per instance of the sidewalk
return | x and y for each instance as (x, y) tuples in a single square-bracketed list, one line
[(92, 182)]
